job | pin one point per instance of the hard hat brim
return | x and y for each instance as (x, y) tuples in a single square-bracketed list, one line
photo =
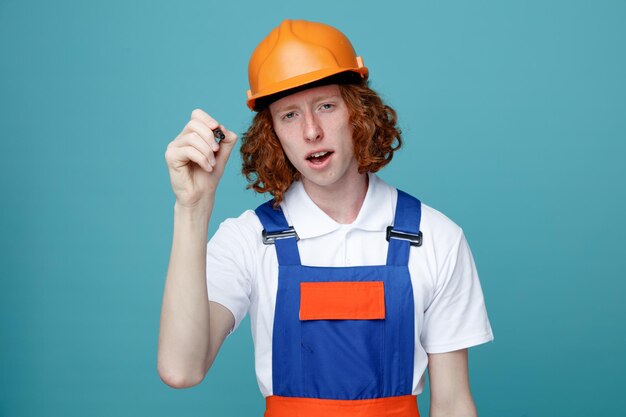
[(300, 81)]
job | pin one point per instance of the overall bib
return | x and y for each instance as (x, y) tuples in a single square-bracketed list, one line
[(343, 339)]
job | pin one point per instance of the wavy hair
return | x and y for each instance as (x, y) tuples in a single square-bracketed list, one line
[(375, 135)]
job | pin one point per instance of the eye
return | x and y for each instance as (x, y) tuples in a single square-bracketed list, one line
[(289, 115), (327, 106)]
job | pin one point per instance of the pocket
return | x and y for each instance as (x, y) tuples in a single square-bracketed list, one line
[(342, 330), (364, 300)]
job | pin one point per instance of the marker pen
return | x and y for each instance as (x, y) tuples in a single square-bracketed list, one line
[(219, 135)]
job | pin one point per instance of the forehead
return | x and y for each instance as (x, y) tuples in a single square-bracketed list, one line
[(306, 96)]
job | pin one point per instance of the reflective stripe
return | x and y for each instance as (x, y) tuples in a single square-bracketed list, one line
[(402, 406), (342, 300)]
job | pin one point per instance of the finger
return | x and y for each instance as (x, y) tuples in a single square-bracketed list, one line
[(194, 140), (183, 155), (205, 133), (204, 117)]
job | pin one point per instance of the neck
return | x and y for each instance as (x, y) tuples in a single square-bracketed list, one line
[(341, 202)]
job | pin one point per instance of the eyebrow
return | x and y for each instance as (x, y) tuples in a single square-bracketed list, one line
[(323, 97), (286, 108), (315, 99)]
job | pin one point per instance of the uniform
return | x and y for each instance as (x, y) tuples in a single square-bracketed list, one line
[(447, 302)]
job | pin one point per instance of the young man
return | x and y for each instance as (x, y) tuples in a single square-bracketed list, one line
[(354, 288)]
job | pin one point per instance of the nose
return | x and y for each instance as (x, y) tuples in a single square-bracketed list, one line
[(312, 130)]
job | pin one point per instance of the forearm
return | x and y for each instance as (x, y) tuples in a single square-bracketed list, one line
[(184, 329)]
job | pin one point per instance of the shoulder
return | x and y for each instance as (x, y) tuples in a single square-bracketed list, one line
[(246, 220), (438, 223), (436, 227), (440, 234), (237, 245), (238, 229)]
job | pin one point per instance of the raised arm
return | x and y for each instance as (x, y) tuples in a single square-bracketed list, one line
[(192, 329)]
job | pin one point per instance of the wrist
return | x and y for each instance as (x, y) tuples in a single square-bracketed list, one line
[(201, 211)]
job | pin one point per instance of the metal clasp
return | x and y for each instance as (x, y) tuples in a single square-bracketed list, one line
[(412, 238), (269, 238)]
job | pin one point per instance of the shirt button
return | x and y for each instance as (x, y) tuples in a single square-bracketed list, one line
[(348, 261)]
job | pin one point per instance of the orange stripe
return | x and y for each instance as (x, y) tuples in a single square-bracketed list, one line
[(403, 406), (342, 300)]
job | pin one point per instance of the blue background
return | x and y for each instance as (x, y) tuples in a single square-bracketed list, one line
[(514, 122)]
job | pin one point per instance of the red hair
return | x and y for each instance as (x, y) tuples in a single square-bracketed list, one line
[(375, 135)]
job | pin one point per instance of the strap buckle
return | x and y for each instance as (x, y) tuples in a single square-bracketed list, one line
[(412, 238), (270, 237)]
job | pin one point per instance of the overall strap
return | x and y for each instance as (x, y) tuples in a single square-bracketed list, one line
[(405, 231), (277, 232)]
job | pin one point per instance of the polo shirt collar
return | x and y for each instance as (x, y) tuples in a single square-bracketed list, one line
[(310, 221)]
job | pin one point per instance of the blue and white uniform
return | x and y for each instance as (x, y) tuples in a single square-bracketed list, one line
[(447, 312)]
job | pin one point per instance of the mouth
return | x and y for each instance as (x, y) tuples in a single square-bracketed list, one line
[(319, 157)]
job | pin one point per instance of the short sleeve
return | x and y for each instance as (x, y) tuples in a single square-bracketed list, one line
[(229, 269), (456, 317)]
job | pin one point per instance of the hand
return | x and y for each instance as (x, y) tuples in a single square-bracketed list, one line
[(196, 161)]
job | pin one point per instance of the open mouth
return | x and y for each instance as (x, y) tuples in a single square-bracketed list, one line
[(319, 157)]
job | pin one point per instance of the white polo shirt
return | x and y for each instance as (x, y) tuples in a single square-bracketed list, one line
[(450, 314)]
